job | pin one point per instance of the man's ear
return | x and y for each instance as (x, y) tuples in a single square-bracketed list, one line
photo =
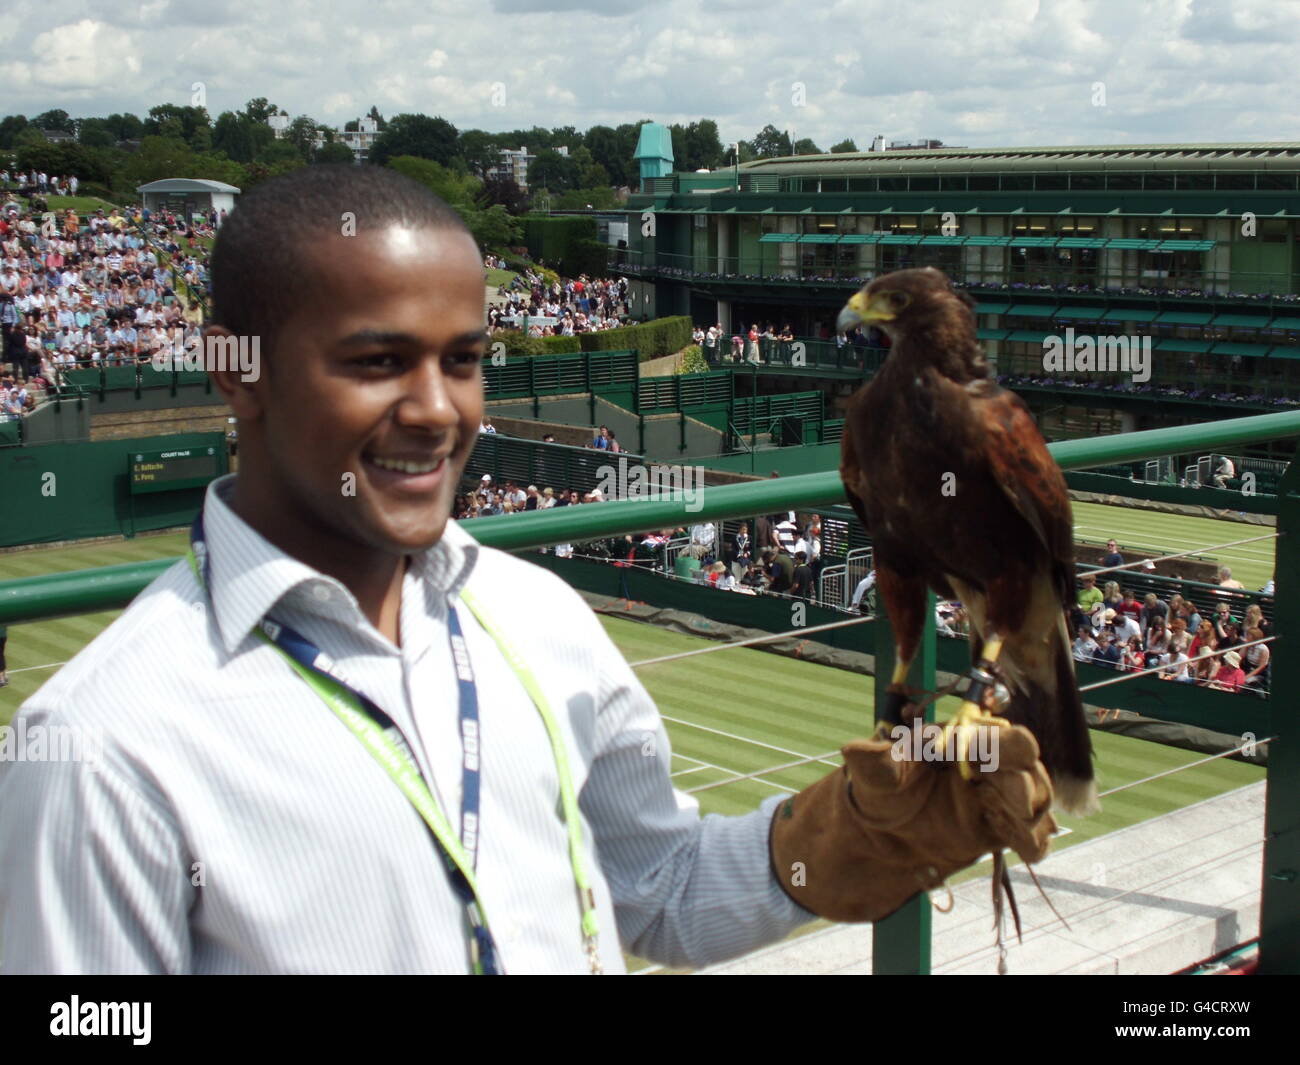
[(241, 390)]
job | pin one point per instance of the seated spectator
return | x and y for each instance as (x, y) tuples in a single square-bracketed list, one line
[(1204, 640), (720, 578), (1231, 636), (1255, 620), (1153, 608), (1230, 676), (1224, 471), (1182, 609), (1124, 628), (1085, 647), (548, 499), (1111, 596), (1133, 657), (780, 569), (1157, 638), (532, 500), (1180, 640), (1108, 654), (1088, 594), (1222, 618), (1258, 658), (1179, 669), (1205, 665), (1130, 606), (859, 593)]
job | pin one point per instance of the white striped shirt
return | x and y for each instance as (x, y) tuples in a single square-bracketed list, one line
[(234, 825)]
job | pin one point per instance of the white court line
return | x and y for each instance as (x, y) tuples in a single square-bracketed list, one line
[(49, 665), (687, 772), (746, 739), (1236, 554)]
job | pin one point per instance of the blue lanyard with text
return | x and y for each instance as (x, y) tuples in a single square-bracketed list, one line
[(386, 741)]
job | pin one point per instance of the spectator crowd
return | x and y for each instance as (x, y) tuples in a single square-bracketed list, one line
[(565, 307), (80, 293)]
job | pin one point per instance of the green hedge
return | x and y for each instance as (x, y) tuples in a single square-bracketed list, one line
[(663, 336), (560, 240), (561, 345)]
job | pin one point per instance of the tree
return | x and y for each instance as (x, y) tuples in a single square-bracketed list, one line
[(380, 124), (333, 152), (55, 120), (696, 147), (302, 135), (456, 190), (806, 146), (10, 127), (173, 120), (506, 193), (418, 135), (167, 157), (844, 146), (553, 171), (479, 150), (95, 133), (259, 110), (770, 142), (494, 228), (125, 127)]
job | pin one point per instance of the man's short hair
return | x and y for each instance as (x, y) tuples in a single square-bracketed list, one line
[(257, 262)]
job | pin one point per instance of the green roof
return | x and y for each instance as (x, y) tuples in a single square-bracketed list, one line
[(991, 308), (1028, 336), (778, 238), (654, 142), (1283, 322), (1034, 310), (991, 334), (1246, 321), (1284, 352), (1134, 314), (1196, 347), (1093, 314), (1184, 318)]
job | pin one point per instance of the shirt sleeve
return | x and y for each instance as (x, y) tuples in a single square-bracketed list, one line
[(94, 874), (687, 891)]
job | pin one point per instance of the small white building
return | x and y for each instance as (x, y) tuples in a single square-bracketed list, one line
[(185, 197), (513, 165)]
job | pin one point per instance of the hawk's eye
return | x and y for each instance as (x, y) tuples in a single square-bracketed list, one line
[(899, 300)]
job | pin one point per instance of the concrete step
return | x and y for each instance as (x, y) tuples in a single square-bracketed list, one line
[(1149, 899)]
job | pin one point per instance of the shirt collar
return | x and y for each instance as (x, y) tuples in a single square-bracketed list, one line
[(249, 575)]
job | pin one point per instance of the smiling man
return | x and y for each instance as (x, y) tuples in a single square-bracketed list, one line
[(342, 737)]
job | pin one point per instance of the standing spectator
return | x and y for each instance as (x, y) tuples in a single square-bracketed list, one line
[(780, 570), (787, 532), (801, 581), (1226, 581), (742, 549), (703, 542), (602, 438), (1112, 558), (612, 444)]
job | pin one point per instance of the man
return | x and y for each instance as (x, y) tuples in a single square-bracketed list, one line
[(601, 442), (1108, 654), (801, 582), (1112, 557), (287, 717), (1123, 626), (1224, 471), (1226, 579)]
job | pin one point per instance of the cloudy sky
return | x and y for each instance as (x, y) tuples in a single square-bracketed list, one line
[(974, 72)]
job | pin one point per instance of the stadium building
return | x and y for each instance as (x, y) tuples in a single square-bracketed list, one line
[(1188, 252)]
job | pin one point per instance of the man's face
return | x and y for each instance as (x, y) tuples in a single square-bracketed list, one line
[(372, 399)]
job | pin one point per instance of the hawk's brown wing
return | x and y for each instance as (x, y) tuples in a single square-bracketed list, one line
[(1022, 466)]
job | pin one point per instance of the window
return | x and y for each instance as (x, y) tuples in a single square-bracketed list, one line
[(835, 184), (862, 184), (1235, 182), (1271, 180), (893, 184), (1157, 182), (1125, 182), (1017, 182), (1051, 182), (1195, 181), (983, 183), (924, 184), (1087, 181), (953, 184)]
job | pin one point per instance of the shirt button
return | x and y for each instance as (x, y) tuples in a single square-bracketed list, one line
[(322, 592)]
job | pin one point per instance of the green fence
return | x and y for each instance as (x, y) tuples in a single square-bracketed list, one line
[(76, 491), (540, 375)]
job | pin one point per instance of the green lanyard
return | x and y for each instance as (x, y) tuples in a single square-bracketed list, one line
[(406, 775)]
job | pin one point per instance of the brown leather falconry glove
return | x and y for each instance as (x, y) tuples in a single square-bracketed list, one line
[(863, 840)]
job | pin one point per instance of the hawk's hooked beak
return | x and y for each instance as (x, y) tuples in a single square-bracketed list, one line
[(859, 309)]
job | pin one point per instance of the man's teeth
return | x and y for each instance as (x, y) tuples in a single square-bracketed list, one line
[(401, 466)]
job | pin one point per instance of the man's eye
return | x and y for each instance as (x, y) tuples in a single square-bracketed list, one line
[(382, 361), (466, 358)]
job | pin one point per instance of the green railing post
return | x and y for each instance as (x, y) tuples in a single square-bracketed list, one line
[(900, 944), (1279, 916)]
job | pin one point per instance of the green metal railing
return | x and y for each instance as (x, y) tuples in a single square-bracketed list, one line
[(903, 940)]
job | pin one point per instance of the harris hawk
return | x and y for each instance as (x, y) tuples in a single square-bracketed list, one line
[(955, 485)]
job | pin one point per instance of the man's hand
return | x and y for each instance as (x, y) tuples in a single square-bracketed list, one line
[(863, 840)]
